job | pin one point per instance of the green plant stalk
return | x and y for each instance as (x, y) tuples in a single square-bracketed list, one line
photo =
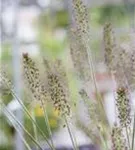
[(11, 114), (103, 144), (73, 139), (96, 123), (46, 121), (113, 80), (47, 124), (127, 136), (25, 109), (76, 143), (23, 139), (91, 66), (94, 79), (34, 126), (133, 136), (71, 135), (27, 112), (105, 141)]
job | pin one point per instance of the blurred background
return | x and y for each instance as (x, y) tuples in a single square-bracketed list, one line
[(41, 26)]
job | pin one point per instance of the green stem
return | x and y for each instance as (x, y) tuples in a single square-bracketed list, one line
[(133, 136), (103, 144), (34, 126), (127, 136), (70, 133), (47, 124), (27, 132), (114, 82), (91, 67), (23, 139), (27, 112), (96, 124), (105, 140), (98, 96)]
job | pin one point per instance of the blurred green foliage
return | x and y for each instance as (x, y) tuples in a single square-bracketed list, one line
[(49, 41), (6, 53), (49, 23), (6, 59), (7, 130), (50, 44), (62, 19), (117, 14), (6, 96)]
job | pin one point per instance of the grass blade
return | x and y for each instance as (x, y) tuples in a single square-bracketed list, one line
[(71, 135), (26, 110), (15, 119), (133, 136), (34, 126)]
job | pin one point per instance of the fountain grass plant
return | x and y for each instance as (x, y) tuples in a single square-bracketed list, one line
[(55, 88)]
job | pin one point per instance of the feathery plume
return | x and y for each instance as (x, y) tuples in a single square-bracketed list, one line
[(79, 38), (91, 131), (97, 118), (123, 106), (6, 85), (92, 106), (57, 90), (80, 14), (126, 60), (32, 78), (118, 139), (79, 57), (59, 68), (5, 80), (122, 74), (110, 47)]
